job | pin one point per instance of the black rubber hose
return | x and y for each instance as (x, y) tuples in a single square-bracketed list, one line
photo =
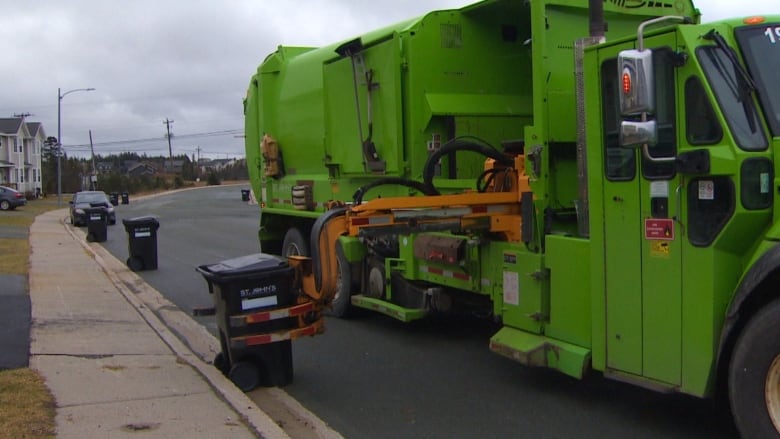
[(357, 197), (472, 144)]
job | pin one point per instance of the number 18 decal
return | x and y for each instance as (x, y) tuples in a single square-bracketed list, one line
[(773, 34)]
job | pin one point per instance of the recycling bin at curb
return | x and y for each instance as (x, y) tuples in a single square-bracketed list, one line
[(244, 194), (114, 198), (142, 242), (242, 288), (125, 198), (97, 224)]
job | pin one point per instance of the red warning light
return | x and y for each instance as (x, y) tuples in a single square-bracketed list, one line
[(626, 82)]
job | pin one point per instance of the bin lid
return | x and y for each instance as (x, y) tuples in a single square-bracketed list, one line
[(243, 265), (141, 221)]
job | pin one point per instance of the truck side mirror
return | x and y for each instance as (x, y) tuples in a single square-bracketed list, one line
[(638, 133), (635, 70)]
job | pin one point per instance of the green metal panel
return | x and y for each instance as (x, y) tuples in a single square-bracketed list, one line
[(342, 134), (519, 285), (570, 289)]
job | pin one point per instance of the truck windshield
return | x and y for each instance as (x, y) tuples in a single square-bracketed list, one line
[(760, 47), (733, 91)]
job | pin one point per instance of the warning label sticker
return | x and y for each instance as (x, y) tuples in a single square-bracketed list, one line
[(659, 229)]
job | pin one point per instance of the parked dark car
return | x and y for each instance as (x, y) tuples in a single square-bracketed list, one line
[(87, 199), (10, 199)]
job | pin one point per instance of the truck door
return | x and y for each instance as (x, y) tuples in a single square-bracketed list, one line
[(643, 242)]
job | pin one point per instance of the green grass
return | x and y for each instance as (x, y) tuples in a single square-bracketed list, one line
[(27, 408)]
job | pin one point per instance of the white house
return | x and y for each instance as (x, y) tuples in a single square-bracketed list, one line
[(21, 147)]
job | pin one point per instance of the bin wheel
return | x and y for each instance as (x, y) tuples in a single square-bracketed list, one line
[(90, 237), (294, 243), (135, 263), (245, 375), (222, 363)]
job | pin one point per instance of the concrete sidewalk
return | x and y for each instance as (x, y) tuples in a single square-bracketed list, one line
[(114, 367)]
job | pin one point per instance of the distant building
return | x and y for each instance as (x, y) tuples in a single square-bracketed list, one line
[(105, 167), (140, 169), (21, 147), (207, 165), (175, 166)]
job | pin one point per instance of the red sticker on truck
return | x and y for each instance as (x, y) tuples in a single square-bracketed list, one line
[(659, 229)]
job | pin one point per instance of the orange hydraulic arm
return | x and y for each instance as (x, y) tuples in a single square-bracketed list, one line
[(497, 212)]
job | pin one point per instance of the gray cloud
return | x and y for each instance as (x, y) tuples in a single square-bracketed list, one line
[(189, 61)]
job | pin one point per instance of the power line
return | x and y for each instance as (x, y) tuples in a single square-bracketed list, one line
[(158, 139)]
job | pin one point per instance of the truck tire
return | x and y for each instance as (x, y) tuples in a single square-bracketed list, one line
[(341, 303), (294, 243), (754, 375)]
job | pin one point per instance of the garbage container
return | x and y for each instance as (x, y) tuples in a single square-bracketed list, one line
[(248, 284), (142, 242), (125, 198), (114, 198), (244, 194), (97, 224)]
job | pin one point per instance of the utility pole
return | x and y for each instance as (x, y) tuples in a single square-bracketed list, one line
[(93, 178), (168, 123)]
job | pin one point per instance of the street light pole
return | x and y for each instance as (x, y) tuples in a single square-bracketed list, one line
[(61, 95)]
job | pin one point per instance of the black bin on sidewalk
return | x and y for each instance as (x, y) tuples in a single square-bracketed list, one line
[(142, 242), (114, 198), (125, 198), (248, 284), (244, 194), (97, 224)]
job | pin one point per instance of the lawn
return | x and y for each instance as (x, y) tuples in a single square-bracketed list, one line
[(27, 408)]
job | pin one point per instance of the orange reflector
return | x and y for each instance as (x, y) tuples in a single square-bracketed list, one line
[(754, 20), (262, 205), (626, 82)]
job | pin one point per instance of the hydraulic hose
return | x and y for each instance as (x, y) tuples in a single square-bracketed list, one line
[(357, 197), (466, 143)]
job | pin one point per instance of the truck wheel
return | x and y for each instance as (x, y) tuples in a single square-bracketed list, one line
[(294, 243), (341, 303), (754, 375)]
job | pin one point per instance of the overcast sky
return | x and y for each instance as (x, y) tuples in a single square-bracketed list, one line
[(188, 61)]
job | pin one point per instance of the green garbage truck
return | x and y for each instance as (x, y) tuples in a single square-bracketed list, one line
[(596, 176)]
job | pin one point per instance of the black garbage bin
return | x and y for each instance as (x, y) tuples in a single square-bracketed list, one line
[(244, 194), (142, 242), (97, 224), (125, 198), (248, 284), (114, 198)]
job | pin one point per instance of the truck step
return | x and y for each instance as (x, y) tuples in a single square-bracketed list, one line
[(538, 350), (389, 309)]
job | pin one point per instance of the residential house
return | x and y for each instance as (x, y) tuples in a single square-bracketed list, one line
[(140, 169), (215, 165), (21, 148), (175, 166)]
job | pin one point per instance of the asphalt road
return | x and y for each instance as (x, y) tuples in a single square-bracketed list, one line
[(372, 376)]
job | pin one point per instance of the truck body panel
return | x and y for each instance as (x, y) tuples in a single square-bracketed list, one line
[(646, 263)]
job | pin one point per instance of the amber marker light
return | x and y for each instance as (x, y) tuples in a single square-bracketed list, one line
[(754, 20)]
